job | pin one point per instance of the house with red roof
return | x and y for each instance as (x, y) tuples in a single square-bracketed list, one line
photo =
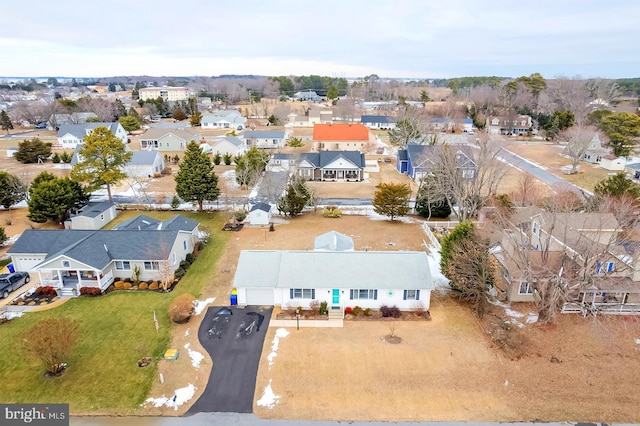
[(343, 137)]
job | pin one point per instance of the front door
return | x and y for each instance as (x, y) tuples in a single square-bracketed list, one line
[(335, 297)]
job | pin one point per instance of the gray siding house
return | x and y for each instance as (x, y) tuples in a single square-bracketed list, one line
[(71, 259)]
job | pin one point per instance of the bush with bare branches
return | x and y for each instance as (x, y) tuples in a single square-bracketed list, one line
[(51, 340)]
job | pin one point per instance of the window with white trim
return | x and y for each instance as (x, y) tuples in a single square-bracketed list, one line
[(411, 295), (302, 293), (525, 288), (65, 264), (123, 265), (151, 266), (366, 294), (609, 266)]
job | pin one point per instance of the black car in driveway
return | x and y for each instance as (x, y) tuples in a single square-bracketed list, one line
[(12, 281)]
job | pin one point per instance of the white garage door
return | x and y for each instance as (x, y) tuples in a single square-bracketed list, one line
[(260, 296), (25, 264)]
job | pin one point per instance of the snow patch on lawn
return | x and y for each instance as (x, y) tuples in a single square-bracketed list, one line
[(268, 398), (199, 305), (186, 333), (637, 341), (280, 334), (230, 176), (180, 396), (512, 313), (195, 356), (10, 315), (531, 317)]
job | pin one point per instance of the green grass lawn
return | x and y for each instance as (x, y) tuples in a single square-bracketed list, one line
[(116, 330)]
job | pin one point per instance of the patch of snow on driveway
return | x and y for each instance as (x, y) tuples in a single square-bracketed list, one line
[(268, 398), (181, 396)]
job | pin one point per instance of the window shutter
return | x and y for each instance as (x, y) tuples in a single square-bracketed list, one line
[(375, 294), (404, 295), (417, 294), (351, 294), (290, 293), (313, 293)]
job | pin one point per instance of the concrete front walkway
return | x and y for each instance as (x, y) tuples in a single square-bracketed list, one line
[(328, 323)]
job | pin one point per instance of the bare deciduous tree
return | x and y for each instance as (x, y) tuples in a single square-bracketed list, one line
[(467, 194), (577, 140), (528, 189), (51, 341)]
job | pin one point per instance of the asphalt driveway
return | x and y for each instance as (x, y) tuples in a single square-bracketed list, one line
[(233, 337)]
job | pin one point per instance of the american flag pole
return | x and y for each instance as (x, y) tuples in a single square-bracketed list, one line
[(155, 321)]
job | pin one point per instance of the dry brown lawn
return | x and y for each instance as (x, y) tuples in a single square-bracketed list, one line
[(548, 156), (448, 369)]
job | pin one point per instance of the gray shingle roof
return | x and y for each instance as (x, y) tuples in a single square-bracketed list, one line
[(233, 140), (96, 248), (80, 130), (94, 209), (156, 133), (144, 222), (377, 119), (323, 158), (141, 238), (143, 158), (261, 206), (317, 269)]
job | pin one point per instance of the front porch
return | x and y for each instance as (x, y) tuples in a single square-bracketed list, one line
[(605, 302), (342, 175), (69, 282)]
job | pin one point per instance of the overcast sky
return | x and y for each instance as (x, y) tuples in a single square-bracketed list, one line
[(345, 38)]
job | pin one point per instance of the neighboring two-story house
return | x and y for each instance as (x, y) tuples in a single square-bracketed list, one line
[(584, 251), (71, 135), (516, 125), (418, 160)]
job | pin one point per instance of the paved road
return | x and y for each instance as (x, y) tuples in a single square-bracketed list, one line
[(224, 419), (235, 351), (271, 187), (537, 171)]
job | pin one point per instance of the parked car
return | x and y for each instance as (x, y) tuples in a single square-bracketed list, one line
[(10, 282), (41, 126)]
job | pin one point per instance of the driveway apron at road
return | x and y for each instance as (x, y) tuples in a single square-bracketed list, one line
[(235, 348)]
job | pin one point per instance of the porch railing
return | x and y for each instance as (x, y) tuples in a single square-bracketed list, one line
[(604, 308)]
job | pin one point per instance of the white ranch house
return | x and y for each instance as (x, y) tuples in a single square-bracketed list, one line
[(368, 279)]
